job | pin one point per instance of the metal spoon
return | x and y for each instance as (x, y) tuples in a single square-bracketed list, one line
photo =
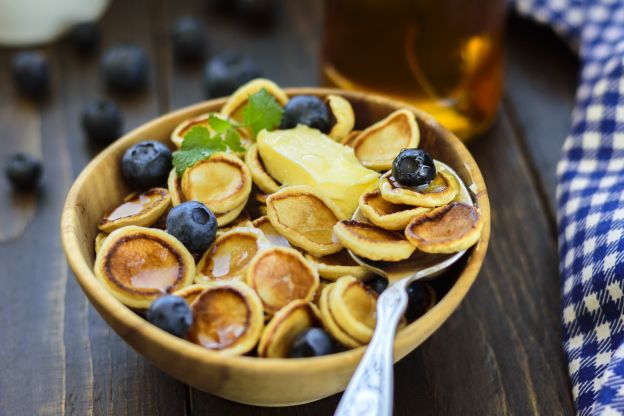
[(370, 391)]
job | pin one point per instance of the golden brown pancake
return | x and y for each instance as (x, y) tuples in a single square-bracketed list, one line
[(386, 214), (306, 218), (280, 275), (378, 145), (440, 191), (142, 209), (258, 172), (138, 264), (283, 328), (353, 306), (447, 229), (222, 182), (227, 318), (373, 242), (330, 323), (342, 113), (230, 254), (334, 266)]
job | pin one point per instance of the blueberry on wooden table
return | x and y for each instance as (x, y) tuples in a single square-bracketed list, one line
[(125, 67), (172, 314), (146, 164), (226, 72), (30, 73), (413, 167), (102, 121), (308, 110), (23, 171), (377, 283), (312, 342), (188, 37), (85, 36), (194, 225), (418, 300)]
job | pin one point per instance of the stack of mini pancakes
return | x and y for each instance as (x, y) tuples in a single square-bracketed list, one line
[(279, 263)]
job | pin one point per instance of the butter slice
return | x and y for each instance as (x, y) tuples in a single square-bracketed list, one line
[(305, 156)]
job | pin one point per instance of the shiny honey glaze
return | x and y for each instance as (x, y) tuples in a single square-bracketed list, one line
[(143, 264), (220, 318), (229, 257), (135, 205)]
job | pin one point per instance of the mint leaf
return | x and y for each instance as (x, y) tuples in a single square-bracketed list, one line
[(200, 144), (262, 112), (218, 124), (233, 141)]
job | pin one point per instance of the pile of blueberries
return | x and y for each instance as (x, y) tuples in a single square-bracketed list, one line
[(125, 69)]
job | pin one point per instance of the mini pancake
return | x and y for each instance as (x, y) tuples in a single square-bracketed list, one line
[(386, 214), (353, 307), (99, 240), (378, 145), (447, 229), (275, 238), (440, 191), (317, 298), (306, 218), (342, 112), (227, 318), (280, 275), (373, 242), (233, 107), (349, 139), (283, 328), (190, 293), (261, 197), (260, 176), (330, 323), (222, 182), (142, 209), (138, 264), (231, 216), (230, 254), (175, 188), (242, 220), (177, 137), (334, 266)]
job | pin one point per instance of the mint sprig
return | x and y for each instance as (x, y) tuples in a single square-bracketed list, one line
[(262, 111)]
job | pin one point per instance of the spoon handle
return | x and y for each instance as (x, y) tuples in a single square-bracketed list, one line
[(370, 391)]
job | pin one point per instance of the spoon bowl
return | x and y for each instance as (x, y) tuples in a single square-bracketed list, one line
[(370, 390)]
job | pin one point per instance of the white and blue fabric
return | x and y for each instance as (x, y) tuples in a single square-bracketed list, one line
[(590, 202)]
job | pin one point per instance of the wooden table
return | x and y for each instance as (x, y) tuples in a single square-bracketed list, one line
[(500, 353)]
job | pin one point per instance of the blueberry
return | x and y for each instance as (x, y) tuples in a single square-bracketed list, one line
[(31, 73), (23, 171), (146, 164), (228, 71), (377, 283), (85, 36), (188, 36), (419, 299), (308, 110), (125, 67), (194, 225), (172, 314), (312, 342), (413, 167), (102, 121)]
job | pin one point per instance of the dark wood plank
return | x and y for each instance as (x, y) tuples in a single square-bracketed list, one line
[(61, 357), (540, 87)]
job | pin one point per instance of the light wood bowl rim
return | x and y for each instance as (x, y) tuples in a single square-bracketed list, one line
[(407, 339)]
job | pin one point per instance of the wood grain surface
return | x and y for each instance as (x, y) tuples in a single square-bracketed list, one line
[(499, 353)]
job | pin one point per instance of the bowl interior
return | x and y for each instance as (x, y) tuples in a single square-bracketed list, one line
[(100, 187)]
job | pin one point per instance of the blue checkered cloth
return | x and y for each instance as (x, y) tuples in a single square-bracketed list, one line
[(590, 202)]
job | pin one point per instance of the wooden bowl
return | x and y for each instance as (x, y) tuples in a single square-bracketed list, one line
[(257, 381)]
